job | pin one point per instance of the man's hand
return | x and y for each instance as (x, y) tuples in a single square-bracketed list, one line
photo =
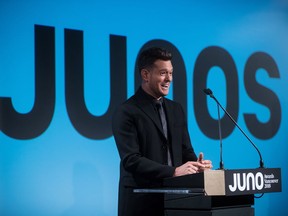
[(189, 167), (192, 167), (207, 164)]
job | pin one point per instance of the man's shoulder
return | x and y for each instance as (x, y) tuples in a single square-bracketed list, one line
[(130, 101), (128, 104), (133, 100)]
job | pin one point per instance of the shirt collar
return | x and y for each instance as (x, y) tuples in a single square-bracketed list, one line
[(148, 96)]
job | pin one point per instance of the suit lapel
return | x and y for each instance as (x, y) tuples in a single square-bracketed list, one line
[(170, 119), (169, 116), (147, 107), (144, 103)]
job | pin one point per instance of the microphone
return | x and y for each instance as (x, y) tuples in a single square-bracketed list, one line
[(210, 93)]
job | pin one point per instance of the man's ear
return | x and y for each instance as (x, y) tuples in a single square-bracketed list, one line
[(145, 75)]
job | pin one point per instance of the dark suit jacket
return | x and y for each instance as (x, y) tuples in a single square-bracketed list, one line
[(142, 148)]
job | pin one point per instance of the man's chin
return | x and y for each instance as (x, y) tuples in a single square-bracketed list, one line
[(165, 93)]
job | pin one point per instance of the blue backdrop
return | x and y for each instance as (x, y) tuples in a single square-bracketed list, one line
[(50, 166)]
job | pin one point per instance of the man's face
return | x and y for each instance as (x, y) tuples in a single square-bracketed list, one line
[(158, 78)]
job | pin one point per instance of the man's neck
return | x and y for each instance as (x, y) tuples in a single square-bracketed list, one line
[(150, 93)]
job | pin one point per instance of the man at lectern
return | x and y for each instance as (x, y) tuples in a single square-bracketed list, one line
[(152, 138)]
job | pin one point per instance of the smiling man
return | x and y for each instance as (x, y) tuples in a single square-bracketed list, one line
[(152, 138)]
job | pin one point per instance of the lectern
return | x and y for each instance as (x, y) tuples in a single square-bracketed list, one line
[(217, 192)]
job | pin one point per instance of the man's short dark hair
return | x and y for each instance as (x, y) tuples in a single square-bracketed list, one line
[(147, 58)]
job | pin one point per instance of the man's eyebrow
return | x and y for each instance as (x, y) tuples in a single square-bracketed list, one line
[(164, 69)]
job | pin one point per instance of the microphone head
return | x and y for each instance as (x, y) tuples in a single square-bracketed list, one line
[(208, 91)]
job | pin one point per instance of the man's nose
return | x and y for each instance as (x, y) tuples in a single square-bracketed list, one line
[(168, 77)]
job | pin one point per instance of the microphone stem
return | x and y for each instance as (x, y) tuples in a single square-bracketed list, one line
[(220, 139), (261, 160)]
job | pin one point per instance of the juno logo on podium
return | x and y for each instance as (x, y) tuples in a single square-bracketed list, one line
[(248, 181)]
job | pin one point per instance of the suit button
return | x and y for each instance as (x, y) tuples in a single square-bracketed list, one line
[(164, 147)]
